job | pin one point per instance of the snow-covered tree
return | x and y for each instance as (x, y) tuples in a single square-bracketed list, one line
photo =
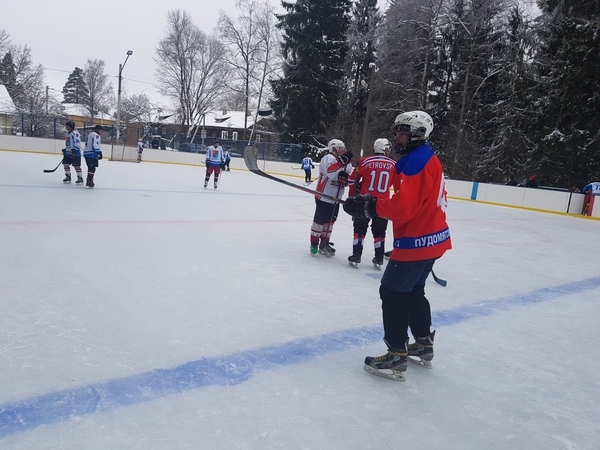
[(75, 89), (314, 49)]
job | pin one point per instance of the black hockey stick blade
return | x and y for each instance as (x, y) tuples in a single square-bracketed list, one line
[(53, 170), (250, 157), (439, 281)]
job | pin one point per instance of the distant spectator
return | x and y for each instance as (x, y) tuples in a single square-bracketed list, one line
[(511, 182), (531, 182)]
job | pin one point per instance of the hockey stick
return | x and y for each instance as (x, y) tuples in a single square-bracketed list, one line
[(439, 281), (296, 168), (250, 157), (53, 170)]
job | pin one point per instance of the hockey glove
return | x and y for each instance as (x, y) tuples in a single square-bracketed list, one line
[(73, 153), (345, 158), (361, 206), (99, 154), (64, 151), (343, 178)]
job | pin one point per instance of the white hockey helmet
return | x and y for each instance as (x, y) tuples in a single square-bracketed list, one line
[(335, 145), (419, 123), (382, 146)]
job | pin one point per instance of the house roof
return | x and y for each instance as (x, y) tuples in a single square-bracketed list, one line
[(6, 102), (74, 109), (228, 119)]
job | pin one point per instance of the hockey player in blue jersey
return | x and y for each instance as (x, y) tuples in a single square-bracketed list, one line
[(72, 153), (214, 159), (307, 165)]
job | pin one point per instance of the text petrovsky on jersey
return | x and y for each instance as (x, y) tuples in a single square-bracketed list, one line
[(423, 241), (380, 165)]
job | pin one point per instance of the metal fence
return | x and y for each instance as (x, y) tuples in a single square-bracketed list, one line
[(24, 124)]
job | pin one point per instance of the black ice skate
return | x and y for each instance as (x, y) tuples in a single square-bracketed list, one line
[(354, 261), (67, 178), (376, 263), (326, 249), (421, 351), (79, 180), (392, 365), (90, 183)]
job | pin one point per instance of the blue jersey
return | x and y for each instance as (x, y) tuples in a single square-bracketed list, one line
[(214, 155), (73, 143), (307, 163)]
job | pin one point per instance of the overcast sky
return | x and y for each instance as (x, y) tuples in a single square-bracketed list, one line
[(63, 34)]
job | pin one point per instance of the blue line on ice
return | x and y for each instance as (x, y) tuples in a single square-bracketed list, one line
[(235, 368)]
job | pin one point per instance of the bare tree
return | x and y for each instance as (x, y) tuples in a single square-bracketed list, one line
[(101, 95), (4, 41), (191, 69), (251, 40), (136, 108)]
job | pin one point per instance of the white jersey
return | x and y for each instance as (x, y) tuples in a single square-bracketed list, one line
[(73, 143), (214, 155), (593, 188), (328, 183), (92, 145)]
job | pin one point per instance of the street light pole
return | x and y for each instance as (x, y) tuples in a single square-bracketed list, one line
[(121, 67)]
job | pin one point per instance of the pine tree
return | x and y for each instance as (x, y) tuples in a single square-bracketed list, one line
[(8, 75), (314, 48), (569, 138), (75, 90)]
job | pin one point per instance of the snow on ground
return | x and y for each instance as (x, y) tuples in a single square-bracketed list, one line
[(151, 313)]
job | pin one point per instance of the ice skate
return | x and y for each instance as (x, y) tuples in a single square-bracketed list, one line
[(90, 183), (216, 185), (326, 250), (377, 264), (79, 180), (388, 254), (354, 261), (392, 365), (67, 178), (314, 249), (421, 351), (205, 184)]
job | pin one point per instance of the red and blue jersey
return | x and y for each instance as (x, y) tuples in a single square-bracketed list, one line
[(373, 175), (418, 207)]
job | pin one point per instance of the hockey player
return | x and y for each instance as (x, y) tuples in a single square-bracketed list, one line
[(589, 190), (421, 235), (334, 170), (214, 159), (372, 175), (93, 153), (307, 165), (72, 153), (227, 160), (140, 150)]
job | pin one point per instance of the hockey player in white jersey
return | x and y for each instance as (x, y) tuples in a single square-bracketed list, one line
[(72, 153), (214, 159), (334, 170)]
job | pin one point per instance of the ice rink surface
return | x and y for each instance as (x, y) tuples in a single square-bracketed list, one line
[(151, 313)]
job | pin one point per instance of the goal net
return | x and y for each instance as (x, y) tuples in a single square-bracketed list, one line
[(123, 153)]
